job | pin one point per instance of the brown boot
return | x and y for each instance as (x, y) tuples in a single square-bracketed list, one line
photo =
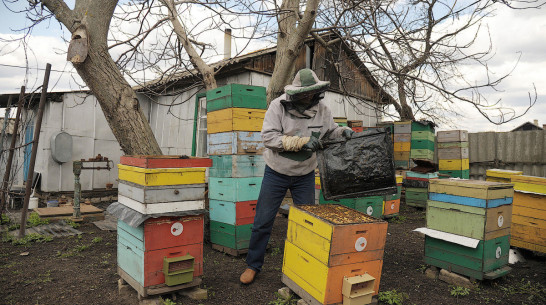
[(248, 276)]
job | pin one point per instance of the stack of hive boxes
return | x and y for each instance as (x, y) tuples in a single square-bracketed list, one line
[(416, 188), (341, 121), (235, 116), (478, 212), (500, 175), (402, 144), (391, 203), (325, 244), (529, 213), (157, 185), (422, 141), (371, 205), (356, 125), (453, 153)]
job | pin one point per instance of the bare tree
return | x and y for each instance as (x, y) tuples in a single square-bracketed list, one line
[(418, 51)]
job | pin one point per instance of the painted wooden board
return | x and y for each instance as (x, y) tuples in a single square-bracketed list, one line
[(454, 164), (488, 256), (146, 267), (237, 166), (469, 190), (161, 207), (529, 229), (422, 135), (236, 95), (317, 180), (495, 179), (372, 206), (233, 213), (402, 146), (411, 194), (422, 144), (235, 119), (452, 136), (490, 186), (529, 179), (343, 250), (416, 203), (161, 176), (402, 156), (320, 281), (357, 129), (415, 126), (234, 143), (401, 127), (516, 242), (399, 179), (469, 221), (67, 210), (403, 137), (234, 237), (401, 164), (529, 200), (394, 196), (235, 189), (453, 153), (158, 194), (470, 201), (452, 144), (410, 174), (463, 174), (156, 289), (348, 202), (502, 173), (170, 161), (164, 232), (422, 154), (529, 187), (391, 207)]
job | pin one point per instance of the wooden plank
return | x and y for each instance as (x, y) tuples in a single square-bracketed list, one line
[(401, 155), (163, 193), (304, 295), (66, 210), (452, 144), (502, 173), (529, 179), (155, 290), (402, 146), (161, 176), (470, 191), (452, 136), (306, 220), (169, 161), (235, 119), (234, 143), (234, 213), (404, 137), (236, 95), (173, 231), (422, 144), (454, 164), (472, 183), (453, 153), (528, 212), (516, 242), (529, 230), (161, 207), (422, 135), (471, 201), (230, 251), (533, 201), (234, 237), (391, 207), (235, 189), (237, 166), (528, 187)]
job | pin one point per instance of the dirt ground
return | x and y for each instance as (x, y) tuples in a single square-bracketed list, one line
[(82, 270)]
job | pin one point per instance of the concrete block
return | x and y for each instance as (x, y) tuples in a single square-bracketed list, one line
[(432, 273), (151, 301), (301, 302), (195, 293), (285, 292), (455, 279)]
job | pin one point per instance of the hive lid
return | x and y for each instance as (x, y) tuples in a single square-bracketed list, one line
[(471, 183), (529, 179)]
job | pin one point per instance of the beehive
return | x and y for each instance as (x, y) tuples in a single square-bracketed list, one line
[(325, 243), (236, 95), (529, 214), (235, 119), (482, 194), (371, 205), (500, 175), (453, 153), (161, 176)]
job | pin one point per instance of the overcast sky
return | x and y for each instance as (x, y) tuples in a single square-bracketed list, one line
[(515, 34)]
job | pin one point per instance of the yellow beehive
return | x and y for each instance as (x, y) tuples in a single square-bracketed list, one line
[(454, 164), (501, 175), (235, 119), (529, 184), (161, 176)]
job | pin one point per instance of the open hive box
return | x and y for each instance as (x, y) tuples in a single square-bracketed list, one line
[(324, 244)]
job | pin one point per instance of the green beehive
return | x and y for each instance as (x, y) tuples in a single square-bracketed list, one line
[(178, 270), (236, 96), (230, 236)]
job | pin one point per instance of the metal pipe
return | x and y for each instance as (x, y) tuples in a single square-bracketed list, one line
[(11, 150), (34, 151)]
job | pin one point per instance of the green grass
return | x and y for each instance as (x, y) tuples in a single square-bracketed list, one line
[(97, 240), (33, 237), (458, 291), (536, 292), (283, 301), (393, 297), (35, 220)]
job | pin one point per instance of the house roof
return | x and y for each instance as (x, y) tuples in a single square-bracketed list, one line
[(530, 125)]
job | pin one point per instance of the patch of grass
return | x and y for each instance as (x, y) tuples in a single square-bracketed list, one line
[(166, 301), (393, 297), (422, 268), (13, 226), (5, 218), (275, 251), (33, 237), (73, 252), (71, 223), (536, 292), (97, 240), (458, 291), (41, 278), (35, 220), (399, 219), (283, 301)]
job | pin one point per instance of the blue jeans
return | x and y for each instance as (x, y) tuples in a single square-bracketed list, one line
[(274, 186)]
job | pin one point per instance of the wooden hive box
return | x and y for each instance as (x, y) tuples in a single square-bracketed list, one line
[(416, 197), (235, 189), (421, 176), (415, 126), (422, 135), (234, 143), (237, 166), (235, 119), (163, 193), (141, 250), (482, 194), (402, 137), (399, 179), (161, 176), (238, 96), (233, 213), (355, 123), (422, 144), (394, 196), (454, 164), (489, 260), (402, 127), (469, 221), (500, 175), (463, 174), (391, 207), (529, 221), (401, 164), (453, 153), (372, 205), (452, 136), (230, 236), (169, 161), (529, 184), (453, 144), (325, 243), (401, 156), (357, 129), (402, 146), (422, 154)]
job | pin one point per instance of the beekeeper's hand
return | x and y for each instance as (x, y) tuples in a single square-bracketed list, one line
[(314, 143), (347, 134)]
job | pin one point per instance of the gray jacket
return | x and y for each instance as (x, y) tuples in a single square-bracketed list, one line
[(281, 120)]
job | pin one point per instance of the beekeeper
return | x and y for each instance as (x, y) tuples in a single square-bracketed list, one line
[(293, 126)]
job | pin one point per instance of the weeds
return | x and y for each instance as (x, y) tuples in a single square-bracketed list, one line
[(536, 292), (393, 297), (97, 240), (283, 301), (73, 252), (33, 237), (167, 301), (458, 291), (71, 223), (399, 219), (35, 220), (422, 268), (275, 251)]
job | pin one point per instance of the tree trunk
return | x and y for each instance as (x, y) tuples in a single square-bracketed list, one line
[(405, 111), (116, 97)]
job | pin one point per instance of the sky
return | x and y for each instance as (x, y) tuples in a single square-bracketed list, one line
[(518, 38)]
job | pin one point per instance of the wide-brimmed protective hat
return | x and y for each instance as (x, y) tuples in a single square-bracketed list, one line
[(306, 81)]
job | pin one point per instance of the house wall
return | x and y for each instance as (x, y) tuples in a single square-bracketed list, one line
[(171, 119)]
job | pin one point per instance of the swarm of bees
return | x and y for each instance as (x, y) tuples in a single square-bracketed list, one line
[(337, 214)]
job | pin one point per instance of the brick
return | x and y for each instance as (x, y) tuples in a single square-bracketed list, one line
[(455, 279)]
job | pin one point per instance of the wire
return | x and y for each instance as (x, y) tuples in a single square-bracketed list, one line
[(42, 69)]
